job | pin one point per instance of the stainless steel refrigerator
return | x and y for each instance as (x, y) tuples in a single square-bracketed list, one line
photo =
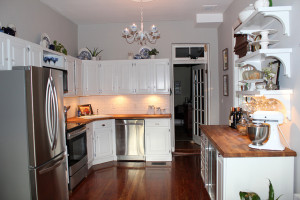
[(32, 134)]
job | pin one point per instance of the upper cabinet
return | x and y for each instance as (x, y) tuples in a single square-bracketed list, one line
[(126, 77), (3, 52), (261, 21)]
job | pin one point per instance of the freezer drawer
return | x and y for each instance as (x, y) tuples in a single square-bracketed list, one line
[(130, 139), (51, 180)]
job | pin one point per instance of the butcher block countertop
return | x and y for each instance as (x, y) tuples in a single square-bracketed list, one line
[(230, 143), (119, 116)]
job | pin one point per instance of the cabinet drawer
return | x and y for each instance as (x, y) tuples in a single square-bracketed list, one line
[(103, 124), (157, 122)]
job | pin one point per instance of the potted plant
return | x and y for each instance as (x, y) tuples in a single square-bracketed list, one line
[(254, 196), (153, 53), (94, 53), (59, 47)]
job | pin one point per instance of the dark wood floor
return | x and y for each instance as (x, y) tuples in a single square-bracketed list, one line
[(179, 180)]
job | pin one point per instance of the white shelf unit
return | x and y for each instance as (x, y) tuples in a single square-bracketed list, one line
[(60, 63), (265, 16), (259, 20), (255, 58)]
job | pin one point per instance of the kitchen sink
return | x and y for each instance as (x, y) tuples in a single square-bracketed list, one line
[(95, 116)]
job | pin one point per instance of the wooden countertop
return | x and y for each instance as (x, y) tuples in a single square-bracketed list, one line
[(118, 116), (230, 143)]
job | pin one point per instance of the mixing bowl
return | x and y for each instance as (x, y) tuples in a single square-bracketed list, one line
[(258, 133)]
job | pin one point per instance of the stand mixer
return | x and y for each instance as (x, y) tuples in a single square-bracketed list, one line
[(273, 118)]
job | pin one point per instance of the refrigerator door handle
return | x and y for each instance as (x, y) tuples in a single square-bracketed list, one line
[(56, 117), (53, 166)]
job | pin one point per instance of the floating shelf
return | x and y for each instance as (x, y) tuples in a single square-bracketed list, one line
[(282, 95), (284, 55), (53, 54), (261, 18)]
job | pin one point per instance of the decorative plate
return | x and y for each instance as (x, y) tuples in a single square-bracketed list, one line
[(84, 54), (144, 51), (45, 40)]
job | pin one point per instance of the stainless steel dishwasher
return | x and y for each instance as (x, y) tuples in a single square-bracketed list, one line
[(130, 139)]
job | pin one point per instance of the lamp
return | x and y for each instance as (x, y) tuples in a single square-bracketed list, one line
[(132, 34)]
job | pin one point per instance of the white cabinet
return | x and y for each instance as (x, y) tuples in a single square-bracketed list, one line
[(70, 67), (143, 78), (18, 52), (78, 77), (158, 140), (35, 54), (90, 79), (161, 77), (90, 144), (104, 141), (107, 77), (126, 77), (220, 175), (3, 53)]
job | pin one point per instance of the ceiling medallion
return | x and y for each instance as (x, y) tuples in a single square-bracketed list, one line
[(134, 35)]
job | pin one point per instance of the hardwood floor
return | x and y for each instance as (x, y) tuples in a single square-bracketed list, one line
[(179, 180)]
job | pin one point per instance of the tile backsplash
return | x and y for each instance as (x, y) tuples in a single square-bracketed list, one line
[(119, 104)]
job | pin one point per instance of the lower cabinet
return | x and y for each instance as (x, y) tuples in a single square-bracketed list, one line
[(225, 177), (158, 140), (101, 142)]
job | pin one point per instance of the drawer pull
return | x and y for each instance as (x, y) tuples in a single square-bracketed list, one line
[(103, 124)]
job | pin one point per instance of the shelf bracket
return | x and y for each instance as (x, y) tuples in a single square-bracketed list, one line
[(283, 17), (285, 59)]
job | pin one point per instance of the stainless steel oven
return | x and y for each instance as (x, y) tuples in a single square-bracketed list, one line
[(77, 153)]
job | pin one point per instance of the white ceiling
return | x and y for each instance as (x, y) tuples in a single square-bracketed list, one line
[(120, 11)]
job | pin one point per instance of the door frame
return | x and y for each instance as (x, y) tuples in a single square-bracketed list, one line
[(172, 109)]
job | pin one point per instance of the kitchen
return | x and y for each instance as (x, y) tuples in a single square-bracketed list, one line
[(107, 36)]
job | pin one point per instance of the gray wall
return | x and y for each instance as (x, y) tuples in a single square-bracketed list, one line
[(291, 129), (109, 38), (32, 18)]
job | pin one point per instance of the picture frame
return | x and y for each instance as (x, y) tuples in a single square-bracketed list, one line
[(177, 87), (225, 59), (85, 109), (276, 68), (225, 85)]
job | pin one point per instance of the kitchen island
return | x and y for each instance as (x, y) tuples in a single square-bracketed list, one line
[(229, 166)]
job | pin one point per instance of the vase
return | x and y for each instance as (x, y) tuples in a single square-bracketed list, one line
[(261, 3), (270, 85), (152, 56), (94, 58)]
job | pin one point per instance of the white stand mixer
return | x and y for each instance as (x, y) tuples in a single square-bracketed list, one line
[(273, 118)]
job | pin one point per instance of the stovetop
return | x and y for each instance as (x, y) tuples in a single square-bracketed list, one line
[(73, 126)]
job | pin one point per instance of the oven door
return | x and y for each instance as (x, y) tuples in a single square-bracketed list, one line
[(77, 151)]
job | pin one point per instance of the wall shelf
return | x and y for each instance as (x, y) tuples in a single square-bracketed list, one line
[(255, 58), (264, 16)]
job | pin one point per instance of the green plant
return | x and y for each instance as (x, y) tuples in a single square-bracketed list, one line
[(95, 52), (254, 196), (153, 52), (59, 47), (271, 3), (268, 73)]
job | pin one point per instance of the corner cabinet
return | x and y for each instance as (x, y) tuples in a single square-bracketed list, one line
[(117, 77), (262, 19), (158, 140), (104, 141)]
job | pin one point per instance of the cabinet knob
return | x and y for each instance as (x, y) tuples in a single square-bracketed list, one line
[(103, 124)]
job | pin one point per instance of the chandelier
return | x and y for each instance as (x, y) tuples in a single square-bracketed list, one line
[(133, 34)]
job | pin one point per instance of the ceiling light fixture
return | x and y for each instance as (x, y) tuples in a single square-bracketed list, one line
[(132, 34)]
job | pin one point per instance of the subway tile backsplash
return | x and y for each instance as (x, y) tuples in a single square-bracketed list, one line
[(126, 104)]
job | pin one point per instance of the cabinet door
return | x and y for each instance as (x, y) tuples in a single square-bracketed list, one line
[(103, 143), (91, 78), (220, 175), (35, 55), (158, 141), (124, 72), (18, 52), (161, 77), (70, 67), (90, 145), (3, 53), (107, 77), (78, 77), (143, 81)]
